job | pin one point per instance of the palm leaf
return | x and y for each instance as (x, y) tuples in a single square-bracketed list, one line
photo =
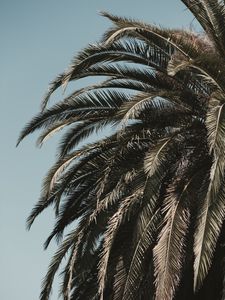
[(209, 221), (48, 132), (55, 263), (157, 156), (153, 35), (169, 251), (211, 16), (144, 242), (113, 225), (215, 123)]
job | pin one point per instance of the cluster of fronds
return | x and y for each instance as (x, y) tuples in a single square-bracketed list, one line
[(148, 201)]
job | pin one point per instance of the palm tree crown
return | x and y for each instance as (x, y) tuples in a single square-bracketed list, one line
[(147, 202)]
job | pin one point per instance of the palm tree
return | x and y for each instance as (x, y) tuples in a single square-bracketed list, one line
[(146, 204)]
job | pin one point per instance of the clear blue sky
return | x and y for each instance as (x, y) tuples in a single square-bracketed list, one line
[(38, 40)]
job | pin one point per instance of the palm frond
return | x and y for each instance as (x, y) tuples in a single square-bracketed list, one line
[(116, 194), (215, 123), (149, 225), (157, 156), (209, 221), (50, 185), (79, 133), (211, 16), (169, 250), (109, 236), (80, 107), (166, 40), (49, 131), (55, 263)]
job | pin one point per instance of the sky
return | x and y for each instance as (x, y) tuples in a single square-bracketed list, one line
[(38, 41)]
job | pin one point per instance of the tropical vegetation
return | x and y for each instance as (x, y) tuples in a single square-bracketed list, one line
[(146, 202)]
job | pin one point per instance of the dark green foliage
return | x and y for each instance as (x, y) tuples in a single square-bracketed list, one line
[(147, 202)]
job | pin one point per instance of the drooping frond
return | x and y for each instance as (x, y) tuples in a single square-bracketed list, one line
[(113, 225), (55, 263), (88, 105), (215, 123), (170, 248), (157, 155), (46, 134), (148, 227), (209, 222)]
